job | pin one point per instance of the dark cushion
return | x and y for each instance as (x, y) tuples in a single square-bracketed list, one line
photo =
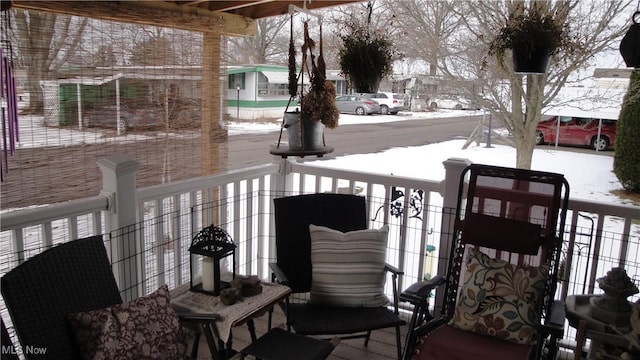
[(322, 320), (449, 343), (145, 328), (501, 233)]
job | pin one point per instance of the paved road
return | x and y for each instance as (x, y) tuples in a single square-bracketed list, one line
[(252, 149)]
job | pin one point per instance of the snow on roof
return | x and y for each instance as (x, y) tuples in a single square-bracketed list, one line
[(587, 102)]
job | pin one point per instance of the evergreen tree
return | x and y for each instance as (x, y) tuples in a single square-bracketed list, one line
[(626, 163)]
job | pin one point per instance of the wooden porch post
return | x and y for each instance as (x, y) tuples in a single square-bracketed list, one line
[(213, 140), (119, 184), (449, 191)]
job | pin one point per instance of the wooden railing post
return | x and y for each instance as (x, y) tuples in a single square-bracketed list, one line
[(449, 191), (283, 181), (119, 185)]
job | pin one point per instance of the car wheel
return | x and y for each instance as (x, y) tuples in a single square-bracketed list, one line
[(434, 105), (600, 144), (360, 110), (539, 138), (458, 107), (384, 109)]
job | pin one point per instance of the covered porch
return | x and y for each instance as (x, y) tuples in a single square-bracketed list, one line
[(147, 231)]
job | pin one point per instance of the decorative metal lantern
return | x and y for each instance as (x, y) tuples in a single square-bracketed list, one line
[(212, 244)]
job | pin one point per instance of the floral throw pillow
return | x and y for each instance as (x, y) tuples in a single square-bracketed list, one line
[(500, 299), (145, 328)]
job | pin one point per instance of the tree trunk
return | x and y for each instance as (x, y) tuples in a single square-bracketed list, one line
[(41, 48), (35, 31), (527, 99)]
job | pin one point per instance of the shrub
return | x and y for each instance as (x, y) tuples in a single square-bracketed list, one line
[(626, 163)]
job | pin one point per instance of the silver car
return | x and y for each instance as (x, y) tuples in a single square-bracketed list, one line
[(353, 104)]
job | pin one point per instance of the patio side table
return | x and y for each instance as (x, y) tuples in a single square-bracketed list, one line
[(580, 317), (229, 316)]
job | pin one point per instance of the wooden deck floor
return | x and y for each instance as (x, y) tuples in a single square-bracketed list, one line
[(381, 346)]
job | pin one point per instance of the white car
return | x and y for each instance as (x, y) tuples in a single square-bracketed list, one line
[(390, 103), (452, 102)]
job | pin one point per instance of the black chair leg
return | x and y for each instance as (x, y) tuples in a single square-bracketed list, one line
[(366, 338), (398, 343)]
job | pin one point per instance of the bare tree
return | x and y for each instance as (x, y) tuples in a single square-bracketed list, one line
[(46, 42), (268, 46), (517, 100), (431, 26), (452, 37), (154, 49)]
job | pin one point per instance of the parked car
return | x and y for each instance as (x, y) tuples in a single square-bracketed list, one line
[(455, 102), (355, 104), (390, 103), (573, 130), (106, 117)]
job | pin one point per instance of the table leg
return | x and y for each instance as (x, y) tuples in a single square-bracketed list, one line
[(196, 343), (252, 329), (580, 339), (228, 348), (206, 329)]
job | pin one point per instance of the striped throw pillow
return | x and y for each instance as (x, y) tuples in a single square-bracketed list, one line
[(348, 268)]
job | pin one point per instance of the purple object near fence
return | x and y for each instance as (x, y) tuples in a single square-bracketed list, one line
[(9, 113)]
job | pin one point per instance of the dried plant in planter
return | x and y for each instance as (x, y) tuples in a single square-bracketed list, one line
[(530, 33), (319, 103)]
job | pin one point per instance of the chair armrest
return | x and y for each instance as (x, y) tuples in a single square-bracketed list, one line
[(392, 269), (418, 292), (278, 274), (395, 272)]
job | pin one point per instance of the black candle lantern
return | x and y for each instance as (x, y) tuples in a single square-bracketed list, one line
[(212, 244)]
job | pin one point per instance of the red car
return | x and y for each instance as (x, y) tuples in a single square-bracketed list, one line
[(577, 131)]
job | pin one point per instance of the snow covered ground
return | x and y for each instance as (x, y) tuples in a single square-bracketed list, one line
[(590, 174)]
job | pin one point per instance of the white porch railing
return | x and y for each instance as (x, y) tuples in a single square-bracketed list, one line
[(148, 230)]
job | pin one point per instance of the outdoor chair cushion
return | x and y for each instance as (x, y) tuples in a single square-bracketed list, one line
[(145, 328), (500, 299), (348, 269), (450, 343)]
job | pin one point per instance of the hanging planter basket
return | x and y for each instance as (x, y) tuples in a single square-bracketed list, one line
[(630, 44), (526, 61), (317, 102)]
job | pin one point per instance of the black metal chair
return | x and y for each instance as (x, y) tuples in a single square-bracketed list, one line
[(342, 212), (8, 350), (516, 218), (280, 344), (69, 278)]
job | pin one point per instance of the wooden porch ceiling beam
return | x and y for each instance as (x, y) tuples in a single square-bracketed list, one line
[(155, 13)]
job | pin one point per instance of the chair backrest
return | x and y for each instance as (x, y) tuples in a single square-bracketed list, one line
[(8, 351), (294, 214), (517, 215), (41, 292)]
